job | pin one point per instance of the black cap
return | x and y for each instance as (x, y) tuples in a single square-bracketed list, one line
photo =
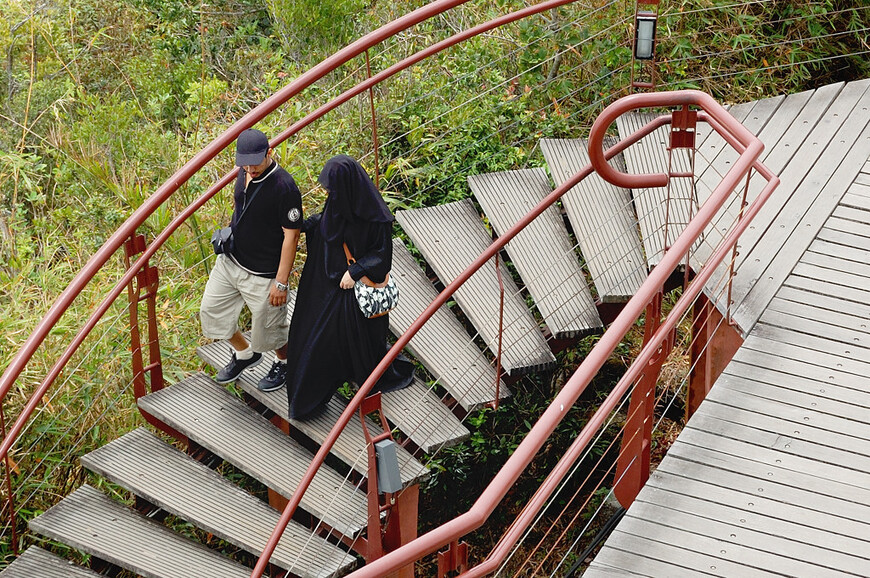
[(251, 148)]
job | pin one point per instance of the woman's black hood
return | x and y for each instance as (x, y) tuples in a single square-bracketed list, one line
[(352, 197)]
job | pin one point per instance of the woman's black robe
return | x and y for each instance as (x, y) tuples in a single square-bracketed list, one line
[(331, 342)]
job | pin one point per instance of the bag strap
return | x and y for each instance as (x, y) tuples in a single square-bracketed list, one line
[(365, 280), (253, 196), (348, 256)]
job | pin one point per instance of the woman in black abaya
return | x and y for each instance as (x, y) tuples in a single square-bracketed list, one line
[(331, 342)]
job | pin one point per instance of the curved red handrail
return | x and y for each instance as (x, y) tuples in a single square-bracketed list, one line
[(612, 112), (537, 436), (164, 192)]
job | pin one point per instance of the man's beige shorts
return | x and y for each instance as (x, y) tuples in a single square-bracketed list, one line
[(229, 288)]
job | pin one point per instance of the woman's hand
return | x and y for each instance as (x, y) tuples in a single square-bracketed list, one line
[(347, 281)]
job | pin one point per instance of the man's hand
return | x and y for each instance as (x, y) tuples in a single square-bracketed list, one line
[(276, 296), (347, 281)]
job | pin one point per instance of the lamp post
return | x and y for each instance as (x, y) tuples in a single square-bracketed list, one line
[(644, 48)]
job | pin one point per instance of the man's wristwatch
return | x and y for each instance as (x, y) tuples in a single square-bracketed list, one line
[(281, 286)]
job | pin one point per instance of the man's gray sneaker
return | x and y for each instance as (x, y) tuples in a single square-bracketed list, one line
[(275, 378), (232, 370)]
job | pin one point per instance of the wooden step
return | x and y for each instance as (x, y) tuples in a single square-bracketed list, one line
[(414, 410), (442, 345), (602, 216), (542, 253), (91, 522), (350, 447), (450, 237), (37, 563), (178, 484), (655, 207), (221, 423)]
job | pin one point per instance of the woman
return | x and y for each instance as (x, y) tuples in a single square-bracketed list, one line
[(331, 342)]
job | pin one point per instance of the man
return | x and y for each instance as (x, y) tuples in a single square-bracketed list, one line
[(255, 272)]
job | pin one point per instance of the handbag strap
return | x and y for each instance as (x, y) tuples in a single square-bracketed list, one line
[(348, 256), (365, 280)]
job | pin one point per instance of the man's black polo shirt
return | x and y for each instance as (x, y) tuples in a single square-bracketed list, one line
[(258, 236)]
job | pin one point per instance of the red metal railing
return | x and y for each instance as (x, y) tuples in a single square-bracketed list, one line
[(750, 149), (723, 123), (127, 233)]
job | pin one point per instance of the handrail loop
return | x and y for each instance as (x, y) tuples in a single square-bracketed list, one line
[(552, 416)]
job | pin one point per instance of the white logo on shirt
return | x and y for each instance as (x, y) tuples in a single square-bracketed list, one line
[(294, 214)]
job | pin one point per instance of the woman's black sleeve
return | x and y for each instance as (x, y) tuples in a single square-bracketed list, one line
[(377, 260)]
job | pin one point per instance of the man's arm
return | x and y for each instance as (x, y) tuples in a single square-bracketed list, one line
[(288, 256)]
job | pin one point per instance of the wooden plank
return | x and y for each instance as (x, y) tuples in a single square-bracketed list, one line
[(766, 547), (822, 302), (859, 192), (715, 159), (553, 276), (807, 277), (824, 393), (640, 551), (415, 410), (857, 197), (802, 316), (821, 348), (180, 485), (442, 344), (850, 226), (680, 531), (826, 181), (768, 414), (720, 156), (219, 422), (91, 522), (602, 217), (657, 206), (729, 384), (797, 110), (37, 563), (844, 366), (848, 329), (769, 432), (450, 237), (763, 472), (856, 214), (828, 529), (847, 253), (842, 238), (628, 555), (832, 266)]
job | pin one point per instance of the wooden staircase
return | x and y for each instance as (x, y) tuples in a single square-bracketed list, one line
[(246, 428)]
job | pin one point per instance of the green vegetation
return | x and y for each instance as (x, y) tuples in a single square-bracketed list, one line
[(102, 101)]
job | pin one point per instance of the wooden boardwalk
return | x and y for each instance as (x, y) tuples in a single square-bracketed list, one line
[(771, 476)]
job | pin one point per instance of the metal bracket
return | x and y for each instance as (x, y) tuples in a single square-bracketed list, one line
[(683, 123), (454, 559)]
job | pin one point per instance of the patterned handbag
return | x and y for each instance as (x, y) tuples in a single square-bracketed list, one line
[(374, 299)]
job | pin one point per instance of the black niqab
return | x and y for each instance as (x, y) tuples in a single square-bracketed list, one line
[(330, 341), (353, 197)]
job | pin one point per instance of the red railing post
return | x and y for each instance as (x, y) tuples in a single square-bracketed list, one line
[(632, 466), (147, 279), (714, 343), (396, 529)]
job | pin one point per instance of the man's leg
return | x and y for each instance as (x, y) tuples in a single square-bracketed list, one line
[(269, 330), (221, 305)]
